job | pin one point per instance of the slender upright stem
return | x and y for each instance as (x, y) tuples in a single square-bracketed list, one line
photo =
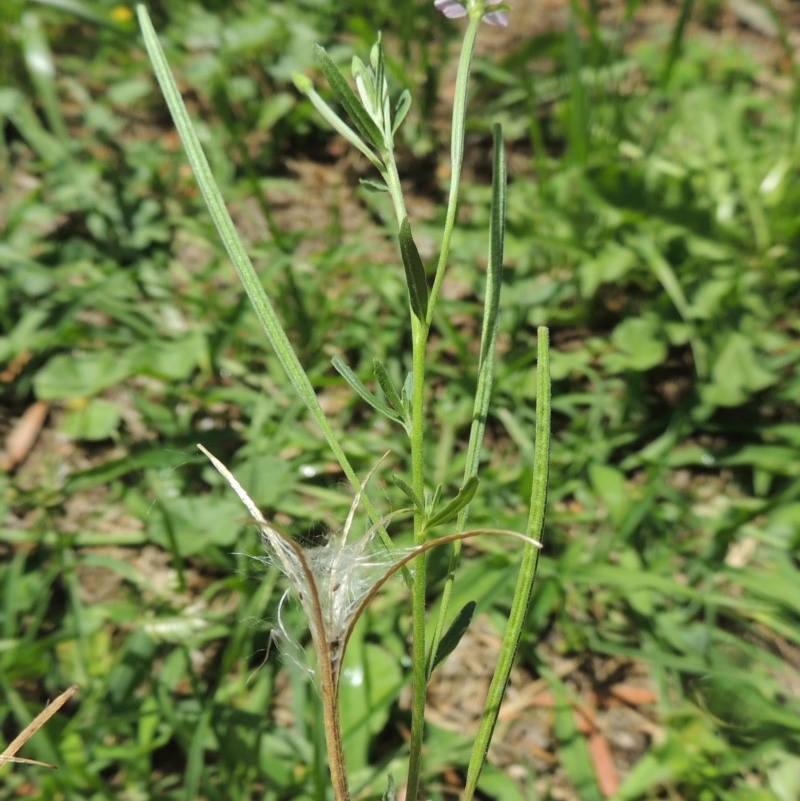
[(333, 731), (395, 189), (456, 157), (420, 331), (419, 676)]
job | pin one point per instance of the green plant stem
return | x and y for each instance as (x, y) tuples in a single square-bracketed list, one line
[(419, 339), (390, 175), (456, 157), (419, 682), (420, 330)]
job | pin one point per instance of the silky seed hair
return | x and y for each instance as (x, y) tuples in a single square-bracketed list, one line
[(331, 581)]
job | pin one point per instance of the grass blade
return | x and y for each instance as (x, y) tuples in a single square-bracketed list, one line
[(676, 41)]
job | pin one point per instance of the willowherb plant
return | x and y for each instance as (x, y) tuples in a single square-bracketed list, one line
[(335, 582)]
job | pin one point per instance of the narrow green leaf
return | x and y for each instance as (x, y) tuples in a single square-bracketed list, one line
[(415, 271), (407, 392), (670, 282), (41, 68), (388, 387), (527, 572), (464, 496), (373, 186), (401, 109), (305, 86), (21, 113), (355, 382), (408, 491), (391, 790), (234, 246), (452, 637), (349, 100), (379, 65), (437, 495), (376, 58), (365, 86), (358, 69)]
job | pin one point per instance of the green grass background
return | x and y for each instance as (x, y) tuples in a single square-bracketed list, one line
[(652, 225)]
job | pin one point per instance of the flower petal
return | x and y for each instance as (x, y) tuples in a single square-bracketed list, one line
[(496, 18), (452, 9)]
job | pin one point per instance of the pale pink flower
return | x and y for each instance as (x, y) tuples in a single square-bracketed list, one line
[(453, 9)]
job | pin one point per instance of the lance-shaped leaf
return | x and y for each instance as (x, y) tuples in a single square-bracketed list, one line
[(437, 495), (415, 271), (372, 88), (350, 101), (373, 186), (365, 83), (408, 390), (401, 109), (408, 491), (305, 86), (465, 495), (355, 382), (452, 637), (389, 389), (377, 62)]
